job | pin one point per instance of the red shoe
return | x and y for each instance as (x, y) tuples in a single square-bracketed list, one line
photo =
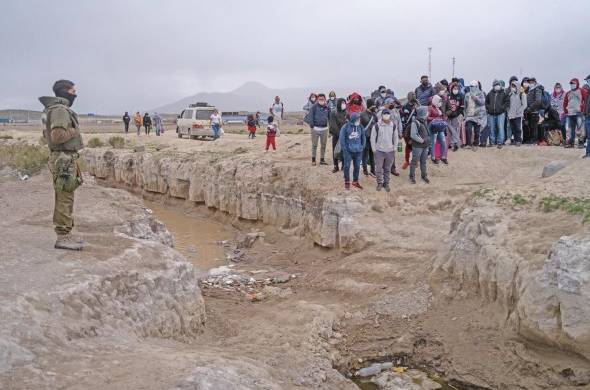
[(542, 143), (357, 185), (405, 165), (347, 185)]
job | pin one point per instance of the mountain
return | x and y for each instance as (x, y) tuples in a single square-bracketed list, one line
[(254, 96)]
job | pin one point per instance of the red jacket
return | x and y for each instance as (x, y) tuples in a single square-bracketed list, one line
[(434, 113), (352, 107)]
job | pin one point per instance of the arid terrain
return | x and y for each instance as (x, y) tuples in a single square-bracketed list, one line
[(480, 279)]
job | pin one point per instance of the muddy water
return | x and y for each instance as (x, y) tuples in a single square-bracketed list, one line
[(195, 237)]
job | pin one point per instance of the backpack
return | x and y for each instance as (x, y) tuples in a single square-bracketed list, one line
[(554, 137), (545, 99)]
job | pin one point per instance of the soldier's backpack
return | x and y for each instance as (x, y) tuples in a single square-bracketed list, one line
[(554, 137)]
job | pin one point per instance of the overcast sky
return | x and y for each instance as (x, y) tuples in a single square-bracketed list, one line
[(137, 54)]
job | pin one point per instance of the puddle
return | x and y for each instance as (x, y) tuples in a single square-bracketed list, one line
[(195, 237)]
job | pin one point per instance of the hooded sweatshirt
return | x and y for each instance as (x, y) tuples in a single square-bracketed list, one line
[(475, 110), (418, 130), (424, 93), (385, 136), (352, 137), (352, 106), (517, 104), (337, 118), (574, 101)]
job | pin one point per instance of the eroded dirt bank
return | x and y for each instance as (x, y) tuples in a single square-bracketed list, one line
[(453, 278)]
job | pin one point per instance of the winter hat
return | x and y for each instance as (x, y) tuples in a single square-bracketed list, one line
[(513, 78), (436, 100), (473, 83), (385, 111), (389, 101), (496, 82)]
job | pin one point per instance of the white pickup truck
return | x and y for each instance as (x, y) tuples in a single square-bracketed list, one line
[(194, 121)]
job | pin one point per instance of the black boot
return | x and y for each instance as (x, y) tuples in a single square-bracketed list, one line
[(323, 162), (313, 161)]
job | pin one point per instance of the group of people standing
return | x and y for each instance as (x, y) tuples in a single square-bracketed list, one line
[(435, 119), (146, 122)]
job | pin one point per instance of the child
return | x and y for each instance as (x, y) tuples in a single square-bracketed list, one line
[(251, 126), (272, 131)]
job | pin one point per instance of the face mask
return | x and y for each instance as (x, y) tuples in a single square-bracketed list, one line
[(312, 100), (557, 90), (526, 85), (573, 86), (532, 85), (383, 94), (322, 102), (71, 98), (357, 123), (497, 87), (386, 117), (332, 97), (343, 107), (455, 91), (425, 82)]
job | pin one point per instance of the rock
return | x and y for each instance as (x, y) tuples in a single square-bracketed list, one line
[(248, 240), (408, 380), (281, 277), (553, 167), (271, 291), (139, 148), (553, 304)]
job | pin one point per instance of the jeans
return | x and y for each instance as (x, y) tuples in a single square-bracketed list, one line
[(335, 139), (440, 135), (508, 129), (418, 154), (515, 125), (472, 133), (215, 128), (574, 125), (496, 123), (322, 136), (355, 158), (383, 164)]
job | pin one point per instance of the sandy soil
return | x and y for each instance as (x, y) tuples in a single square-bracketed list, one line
[(381, 303)]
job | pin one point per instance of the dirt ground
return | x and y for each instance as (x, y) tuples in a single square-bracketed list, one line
[(379, 303)]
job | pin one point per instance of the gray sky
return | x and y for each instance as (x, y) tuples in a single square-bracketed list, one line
[(137, 54)]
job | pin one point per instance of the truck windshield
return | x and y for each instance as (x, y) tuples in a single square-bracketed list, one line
[(204, 114)]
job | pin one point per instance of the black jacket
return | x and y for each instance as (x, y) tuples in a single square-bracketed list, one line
[(126, 118), (497, 102), (367, 123), (337, 118), (455, 105), (147, 121), (534, 99)]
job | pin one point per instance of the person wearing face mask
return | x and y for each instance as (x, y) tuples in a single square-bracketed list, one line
[(319, 115), (337, 120), (534, 105), (425, 91), (516, 108), (586, 88), (382, 94), (354, 103), (454, 112), (475, 114), (497, 103), (307, 107), (573, 107), (352, 141), (509, 134), (368, 120), (437, 123), (557, 97), (332, 101), (408, 112), (64, 140), (384, 140), (420, 140), (394, 107)]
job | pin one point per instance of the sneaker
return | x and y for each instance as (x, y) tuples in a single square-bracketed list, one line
[(347, 185), (357, 185), (455, 148), (426, 180), (435, 162), (323, 162), (335, 170), (379, 186), (405, 165), (542, 143), (412, 180), (313, 163), (387, 188), (445, 161), (68, 242)]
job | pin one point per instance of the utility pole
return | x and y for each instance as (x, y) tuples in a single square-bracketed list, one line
[(454, 60), (430, 63)]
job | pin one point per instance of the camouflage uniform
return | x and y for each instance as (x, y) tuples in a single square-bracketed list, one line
[(64, 140)]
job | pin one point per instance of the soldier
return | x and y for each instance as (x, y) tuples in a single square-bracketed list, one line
[(64, 141)]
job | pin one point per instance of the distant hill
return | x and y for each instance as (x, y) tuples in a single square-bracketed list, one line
[(20, 115)]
